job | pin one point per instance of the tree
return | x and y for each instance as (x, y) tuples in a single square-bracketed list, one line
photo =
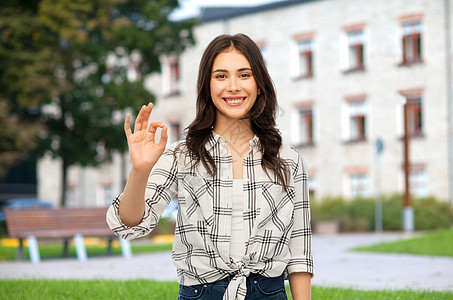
[(56, 63)]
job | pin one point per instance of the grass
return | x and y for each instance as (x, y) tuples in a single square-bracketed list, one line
[(55, 251), (161, 290), (434, 243), (438, 243)]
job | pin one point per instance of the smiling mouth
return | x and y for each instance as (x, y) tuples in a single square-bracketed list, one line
[(234, 101)]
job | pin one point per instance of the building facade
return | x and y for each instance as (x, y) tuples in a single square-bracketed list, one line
[(343, 71)]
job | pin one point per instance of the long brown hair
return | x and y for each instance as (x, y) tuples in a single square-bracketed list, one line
[(262, 114)]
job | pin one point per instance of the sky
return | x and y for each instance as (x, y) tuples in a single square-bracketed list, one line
[(190, 8)]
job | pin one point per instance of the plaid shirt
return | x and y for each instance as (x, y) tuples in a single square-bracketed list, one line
[(278, 222)]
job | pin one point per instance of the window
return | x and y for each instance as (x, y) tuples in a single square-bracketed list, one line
[(357, 182), (355, 127), (414, 102), (414, 115), (357, 117), (312, 184), (359, 185), (418, 181), (305, 48), (411, 39), (356, 41), (171, 75), (302, 56), (175, 131), (174, 77), (306, 126), (303, 134)]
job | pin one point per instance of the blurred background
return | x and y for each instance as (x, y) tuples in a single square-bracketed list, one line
[(349, 75)]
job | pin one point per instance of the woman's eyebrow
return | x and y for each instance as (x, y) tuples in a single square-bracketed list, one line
[(220, 71), (226, 71)]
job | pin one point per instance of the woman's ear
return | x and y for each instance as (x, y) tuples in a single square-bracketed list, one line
[(259, 91)]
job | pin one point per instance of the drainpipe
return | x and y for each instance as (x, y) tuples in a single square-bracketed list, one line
[(449, 98)]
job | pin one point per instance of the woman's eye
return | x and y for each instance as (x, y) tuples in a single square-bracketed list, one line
[(220, 76), (245, 75)]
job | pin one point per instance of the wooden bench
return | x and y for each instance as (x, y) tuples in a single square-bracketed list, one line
[(62, 223)]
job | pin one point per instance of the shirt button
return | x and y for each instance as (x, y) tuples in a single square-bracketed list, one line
[(196, 291)]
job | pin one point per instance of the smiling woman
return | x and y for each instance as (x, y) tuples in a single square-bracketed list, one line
[(233, 89), (243, 223)]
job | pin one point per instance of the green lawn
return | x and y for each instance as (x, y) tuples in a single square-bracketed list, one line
[(54, 251), (145, 289), (438, 243)]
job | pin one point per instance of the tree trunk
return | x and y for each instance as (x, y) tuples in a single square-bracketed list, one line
[(64, 174)]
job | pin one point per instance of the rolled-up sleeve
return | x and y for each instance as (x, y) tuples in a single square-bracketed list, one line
[(161, 188), (301, 237)]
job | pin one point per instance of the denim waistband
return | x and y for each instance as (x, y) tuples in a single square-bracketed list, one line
[(251, 278)]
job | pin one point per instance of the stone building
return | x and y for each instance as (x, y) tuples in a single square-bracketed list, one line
[(343, 70)]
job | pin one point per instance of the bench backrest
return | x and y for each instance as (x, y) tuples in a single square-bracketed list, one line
[(56, 222)]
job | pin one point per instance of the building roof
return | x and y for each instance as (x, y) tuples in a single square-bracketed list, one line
[(209, 14)]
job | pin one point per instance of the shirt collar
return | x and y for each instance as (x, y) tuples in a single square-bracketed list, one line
[(217, 138)]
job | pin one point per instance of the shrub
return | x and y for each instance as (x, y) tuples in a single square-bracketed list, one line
[(359, 214)]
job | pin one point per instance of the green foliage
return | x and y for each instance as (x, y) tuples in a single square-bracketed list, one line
[(359, 214), (168, 290), (88, 289), (15, 137), (349, 294), (55, 75), (432, 214), (56, 250), (435, 243)]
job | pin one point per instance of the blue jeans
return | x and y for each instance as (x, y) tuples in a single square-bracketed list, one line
[(258, 287)]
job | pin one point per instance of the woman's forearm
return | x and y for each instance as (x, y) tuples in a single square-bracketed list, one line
[(300, 284), (132, 204)]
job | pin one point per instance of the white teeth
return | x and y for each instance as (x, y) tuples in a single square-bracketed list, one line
[(234, 101)]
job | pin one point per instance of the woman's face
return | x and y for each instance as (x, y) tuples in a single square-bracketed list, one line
[(233, 86)]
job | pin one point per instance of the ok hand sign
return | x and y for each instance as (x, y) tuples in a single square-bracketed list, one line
[(143, 149)]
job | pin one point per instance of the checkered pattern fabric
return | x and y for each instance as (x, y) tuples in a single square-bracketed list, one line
[(278, 221)]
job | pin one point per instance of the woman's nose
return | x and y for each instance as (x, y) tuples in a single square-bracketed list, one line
[(233, 85)]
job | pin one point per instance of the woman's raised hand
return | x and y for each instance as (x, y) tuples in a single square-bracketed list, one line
[(143, 149)]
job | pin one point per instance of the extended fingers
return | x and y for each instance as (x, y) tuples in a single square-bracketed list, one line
[(141, 123), (127, 125)]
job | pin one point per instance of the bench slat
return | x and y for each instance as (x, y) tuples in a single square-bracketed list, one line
[(57, 222)]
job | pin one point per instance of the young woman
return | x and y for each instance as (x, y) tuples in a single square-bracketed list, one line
[(243, 222)]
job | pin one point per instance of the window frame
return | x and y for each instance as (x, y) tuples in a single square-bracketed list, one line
[(359, 119), (171, 75), (356, 43), (353, 172), (418, 180), (414, 100), (301, 108), (411, 39), (304, 56)]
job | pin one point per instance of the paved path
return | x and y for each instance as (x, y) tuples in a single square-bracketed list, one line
[(334, 266)]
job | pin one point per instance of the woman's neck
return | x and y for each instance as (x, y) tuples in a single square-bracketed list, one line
[(235, 132)]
